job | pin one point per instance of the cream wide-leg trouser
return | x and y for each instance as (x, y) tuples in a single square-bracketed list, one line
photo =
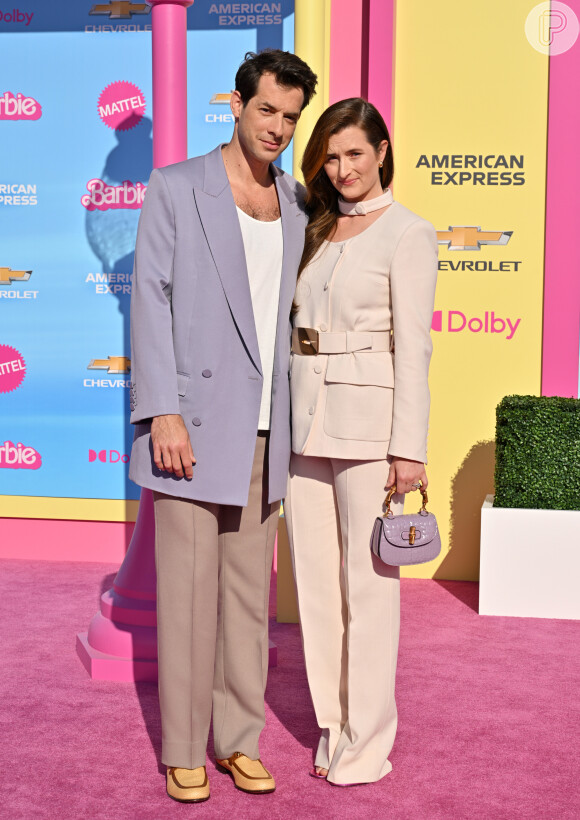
[(213, 581), (349, 611)]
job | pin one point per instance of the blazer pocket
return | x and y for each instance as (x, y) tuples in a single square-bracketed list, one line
[(359, 396), (182, 383), (362, 368)]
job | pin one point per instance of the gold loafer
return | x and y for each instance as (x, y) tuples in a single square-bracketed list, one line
[(249, 775), (187, 785)]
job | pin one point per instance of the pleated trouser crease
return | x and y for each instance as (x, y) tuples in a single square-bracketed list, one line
[(213, 579), (349, 606)]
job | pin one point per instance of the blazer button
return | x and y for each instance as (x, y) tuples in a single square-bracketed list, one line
[(317, 369), (206, 374), (323, 327), (311, 411), (196, 421)]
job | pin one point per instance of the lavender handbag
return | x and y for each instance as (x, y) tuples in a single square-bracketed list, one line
[(406, 539)]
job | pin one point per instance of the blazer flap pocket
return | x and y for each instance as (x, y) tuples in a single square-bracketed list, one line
[(361, 367), (182, 382)]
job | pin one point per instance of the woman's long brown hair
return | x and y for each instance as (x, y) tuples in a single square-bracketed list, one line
[(321, 195)]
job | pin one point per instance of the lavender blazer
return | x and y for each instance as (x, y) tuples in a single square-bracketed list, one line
[(194, 348)]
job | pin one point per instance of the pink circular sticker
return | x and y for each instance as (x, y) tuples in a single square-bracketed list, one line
[(12, 369), (121, 106)]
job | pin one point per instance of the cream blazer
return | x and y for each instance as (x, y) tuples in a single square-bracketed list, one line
[(368, 404)]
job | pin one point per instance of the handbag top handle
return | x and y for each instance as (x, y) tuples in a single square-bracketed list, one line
[(388, 512)]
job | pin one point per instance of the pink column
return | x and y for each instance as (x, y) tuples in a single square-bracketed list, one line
[(381, 57), (169, 18), (346, 49), (121, 643), (562, 254), (362, 52)]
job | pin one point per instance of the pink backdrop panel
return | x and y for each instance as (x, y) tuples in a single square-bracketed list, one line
[(562, 265)]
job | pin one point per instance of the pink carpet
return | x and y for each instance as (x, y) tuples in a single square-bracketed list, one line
[(488, 707)]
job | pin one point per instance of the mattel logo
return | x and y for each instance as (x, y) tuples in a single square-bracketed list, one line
[(108, 457), (102, 197), (489, 323), (19, 457), (16, 16), (19, 107)]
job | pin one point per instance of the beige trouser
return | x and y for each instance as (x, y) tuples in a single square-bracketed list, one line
[(213, 579), (349, 611)]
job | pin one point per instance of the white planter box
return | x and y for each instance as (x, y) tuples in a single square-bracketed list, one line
[(529, 562)]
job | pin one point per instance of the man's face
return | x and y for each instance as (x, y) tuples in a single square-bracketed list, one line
[(266, 123)]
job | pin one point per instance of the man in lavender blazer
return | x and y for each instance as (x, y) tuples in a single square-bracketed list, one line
[(218, 247)]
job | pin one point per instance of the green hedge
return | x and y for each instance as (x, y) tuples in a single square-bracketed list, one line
[(537, 462)]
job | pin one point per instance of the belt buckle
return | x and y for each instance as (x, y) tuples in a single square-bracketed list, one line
[(308, 339)]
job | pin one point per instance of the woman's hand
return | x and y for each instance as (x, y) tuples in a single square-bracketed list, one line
[(404, 473)]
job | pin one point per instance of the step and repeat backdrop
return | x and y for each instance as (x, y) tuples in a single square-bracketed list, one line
[(470, 136), (75, 131)]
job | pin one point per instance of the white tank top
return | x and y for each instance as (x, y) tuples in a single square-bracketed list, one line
[(263, 247)]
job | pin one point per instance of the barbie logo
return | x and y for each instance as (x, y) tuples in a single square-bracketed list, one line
[(19, 457), (103, 197), (19, 107)]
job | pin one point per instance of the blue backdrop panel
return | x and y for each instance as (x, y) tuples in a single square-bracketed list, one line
[(65, 269)]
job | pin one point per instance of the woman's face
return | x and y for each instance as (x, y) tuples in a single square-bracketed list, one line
[(352, 164)]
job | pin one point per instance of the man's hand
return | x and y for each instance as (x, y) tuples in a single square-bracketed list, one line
[(172, 450), (405, 473)]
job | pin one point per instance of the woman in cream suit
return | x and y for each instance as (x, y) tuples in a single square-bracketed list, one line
[(360, 404)]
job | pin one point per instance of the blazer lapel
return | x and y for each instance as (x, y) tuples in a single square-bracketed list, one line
[(221, 225), (293, 223)]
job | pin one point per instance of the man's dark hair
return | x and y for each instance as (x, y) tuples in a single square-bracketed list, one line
[(288, 69)]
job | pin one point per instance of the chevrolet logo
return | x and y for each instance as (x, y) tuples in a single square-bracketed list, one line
[(221, 99), (8, 276), (114, 364), (120, 9), (471, 238)]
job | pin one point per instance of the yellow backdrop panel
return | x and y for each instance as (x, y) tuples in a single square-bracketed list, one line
[(470, 152)]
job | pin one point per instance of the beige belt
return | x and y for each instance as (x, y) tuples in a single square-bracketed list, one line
[(307, 341)]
